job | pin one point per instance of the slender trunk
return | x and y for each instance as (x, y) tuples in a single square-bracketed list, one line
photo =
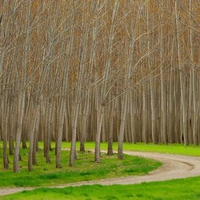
[(35, 144), (46, 131), (74, 133), (122, 126), (152, 85), (78, 93), (127, 81), (171, 110), (104, 92), (182, 85), (100, 113), (63, 106), (31, 139), (4, 136), (19, 132), (87, 102), (110, 130), (11, 132), (84, 128), (59, 135), (144, 114), (193, 81), (22, 94), (163, 89)]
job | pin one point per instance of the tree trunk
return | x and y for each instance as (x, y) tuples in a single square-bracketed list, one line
[(31, 139), (100, 113), (60, 133), (182, 82), (19, 132)]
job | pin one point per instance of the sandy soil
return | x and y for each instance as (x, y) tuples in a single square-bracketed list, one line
[(174, 167)]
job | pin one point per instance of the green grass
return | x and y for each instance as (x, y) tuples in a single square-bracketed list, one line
[(85, 169), (180, 149), (182, 189)]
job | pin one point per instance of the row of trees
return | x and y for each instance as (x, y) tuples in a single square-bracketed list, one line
[(98, 70)]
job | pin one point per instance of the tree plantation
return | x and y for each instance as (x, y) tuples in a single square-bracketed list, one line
[(97, 70)]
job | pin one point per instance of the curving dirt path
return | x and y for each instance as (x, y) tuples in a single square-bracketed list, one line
[(174, 167)]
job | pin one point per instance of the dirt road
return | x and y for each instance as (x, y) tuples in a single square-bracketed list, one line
[(174, 167)]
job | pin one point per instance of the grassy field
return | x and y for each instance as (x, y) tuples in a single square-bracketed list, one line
[(180, 149), (85, 169), (182, 189)]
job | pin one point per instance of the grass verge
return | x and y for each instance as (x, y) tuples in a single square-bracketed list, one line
[(182, 189), (180, 149), (45, 174)]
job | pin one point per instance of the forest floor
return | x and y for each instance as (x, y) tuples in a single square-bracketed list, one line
[(174, 167)]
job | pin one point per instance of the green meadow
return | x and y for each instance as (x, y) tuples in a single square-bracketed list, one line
[(85, 169)]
